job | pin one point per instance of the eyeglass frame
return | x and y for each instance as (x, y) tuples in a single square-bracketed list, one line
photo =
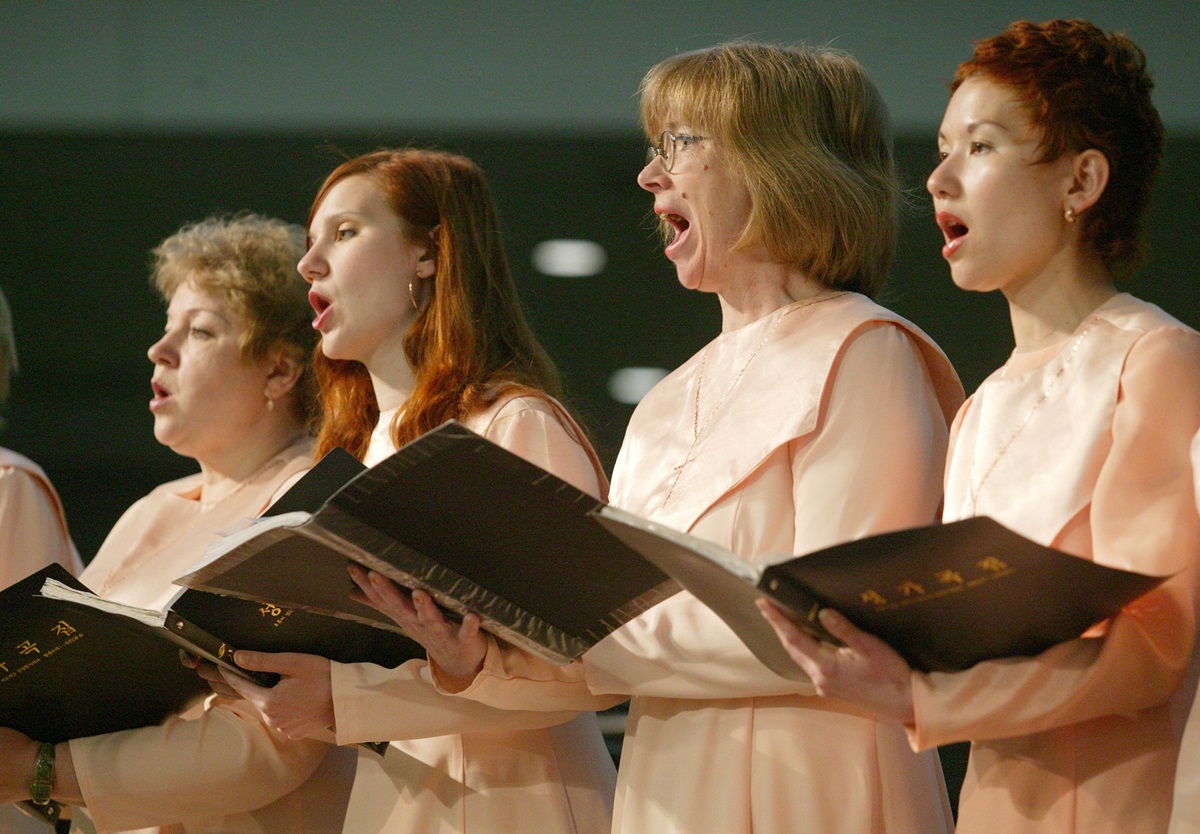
[(668, 152)]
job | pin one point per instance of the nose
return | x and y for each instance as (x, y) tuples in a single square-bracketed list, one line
[(942, 181), (653, 176), (312, 266), (163, 351)]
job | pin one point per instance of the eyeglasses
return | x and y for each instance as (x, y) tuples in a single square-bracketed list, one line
[(667, 148)]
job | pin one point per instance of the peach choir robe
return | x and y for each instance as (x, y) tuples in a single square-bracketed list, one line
[(218, 769), (33, 534), (1082, 446), (1185, 811), (457, 766), (817, 424), (33, 526)]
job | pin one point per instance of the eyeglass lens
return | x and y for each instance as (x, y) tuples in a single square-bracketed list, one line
[(664, 148)]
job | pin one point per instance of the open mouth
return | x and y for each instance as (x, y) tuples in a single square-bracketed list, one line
[(161, 395), (672, 226), (320, 305), (318, 302), (951, 226)]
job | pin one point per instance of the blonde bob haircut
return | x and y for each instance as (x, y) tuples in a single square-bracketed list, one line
[(249, 261), (809, 134)]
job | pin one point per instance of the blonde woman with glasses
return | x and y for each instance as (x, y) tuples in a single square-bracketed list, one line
[(813, 417)]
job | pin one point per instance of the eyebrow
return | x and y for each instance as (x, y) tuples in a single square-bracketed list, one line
[(192, 311), (974, 126), (334, 219), (344, 214)]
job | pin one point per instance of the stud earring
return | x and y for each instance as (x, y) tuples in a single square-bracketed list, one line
[(1069, 215)]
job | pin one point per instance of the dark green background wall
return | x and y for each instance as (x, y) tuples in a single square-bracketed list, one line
[(81, 212)]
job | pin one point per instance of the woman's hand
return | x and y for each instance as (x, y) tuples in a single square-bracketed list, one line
[(301, 704), (210, 672), (865, 671), (457, 649), (18, 761)]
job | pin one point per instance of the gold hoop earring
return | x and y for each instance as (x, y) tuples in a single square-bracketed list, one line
[(412, 296), (1069, 215)]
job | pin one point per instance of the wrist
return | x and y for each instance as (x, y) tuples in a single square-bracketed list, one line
[(18, 766), (41, 786)]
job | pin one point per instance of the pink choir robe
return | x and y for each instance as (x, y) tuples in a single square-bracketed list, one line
[(817, 424), (33, 525), (33, 534), (1185, 810), (217, 769), (457, 766), (1082, 446)]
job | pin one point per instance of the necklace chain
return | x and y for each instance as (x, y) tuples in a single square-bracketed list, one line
[(698, 427), (977, 488)]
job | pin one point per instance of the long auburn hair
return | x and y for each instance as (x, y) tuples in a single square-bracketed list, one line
[(470, 344)]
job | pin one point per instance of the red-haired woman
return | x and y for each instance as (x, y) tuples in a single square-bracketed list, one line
[(1049, 146), (419, 324)]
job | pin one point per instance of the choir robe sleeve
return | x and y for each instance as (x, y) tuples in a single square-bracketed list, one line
[(31, 530), (874, 463), (372, 703), (159, 775), (1142, 517)]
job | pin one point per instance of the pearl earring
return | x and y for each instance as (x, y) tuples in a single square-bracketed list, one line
[(1069, 215)]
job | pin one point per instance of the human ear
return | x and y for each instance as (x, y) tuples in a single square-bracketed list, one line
[(1090, 173), (427, 256), (284, 369)]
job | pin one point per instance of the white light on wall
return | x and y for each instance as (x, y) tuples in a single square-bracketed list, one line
[(569, 258), (629, 385)]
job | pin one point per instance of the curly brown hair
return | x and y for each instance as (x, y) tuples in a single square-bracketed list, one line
[(249, 260)]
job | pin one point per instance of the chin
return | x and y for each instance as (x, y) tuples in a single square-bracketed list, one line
[(688, 280), (969, 282), (162, 431), (340, 349), (329, 347)]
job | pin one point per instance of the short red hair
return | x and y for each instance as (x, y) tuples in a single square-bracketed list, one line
[(1085, 89)]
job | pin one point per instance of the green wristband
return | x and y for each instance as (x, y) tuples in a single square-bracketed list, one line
[(43, 775)]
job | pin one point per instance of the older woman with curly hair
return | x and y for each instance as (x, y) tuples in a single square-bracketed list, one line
[(233, 389)]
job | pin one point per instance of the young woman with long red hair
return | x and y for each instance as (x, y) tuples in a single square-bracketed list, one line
[(419, 324)]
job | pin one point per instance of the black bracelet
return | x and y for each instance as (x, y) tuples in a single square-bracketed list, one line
[(43, 775)]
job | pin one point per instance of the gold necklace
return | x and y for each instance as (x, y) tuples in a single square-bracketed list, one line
[(698, 428), (974, 491)]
